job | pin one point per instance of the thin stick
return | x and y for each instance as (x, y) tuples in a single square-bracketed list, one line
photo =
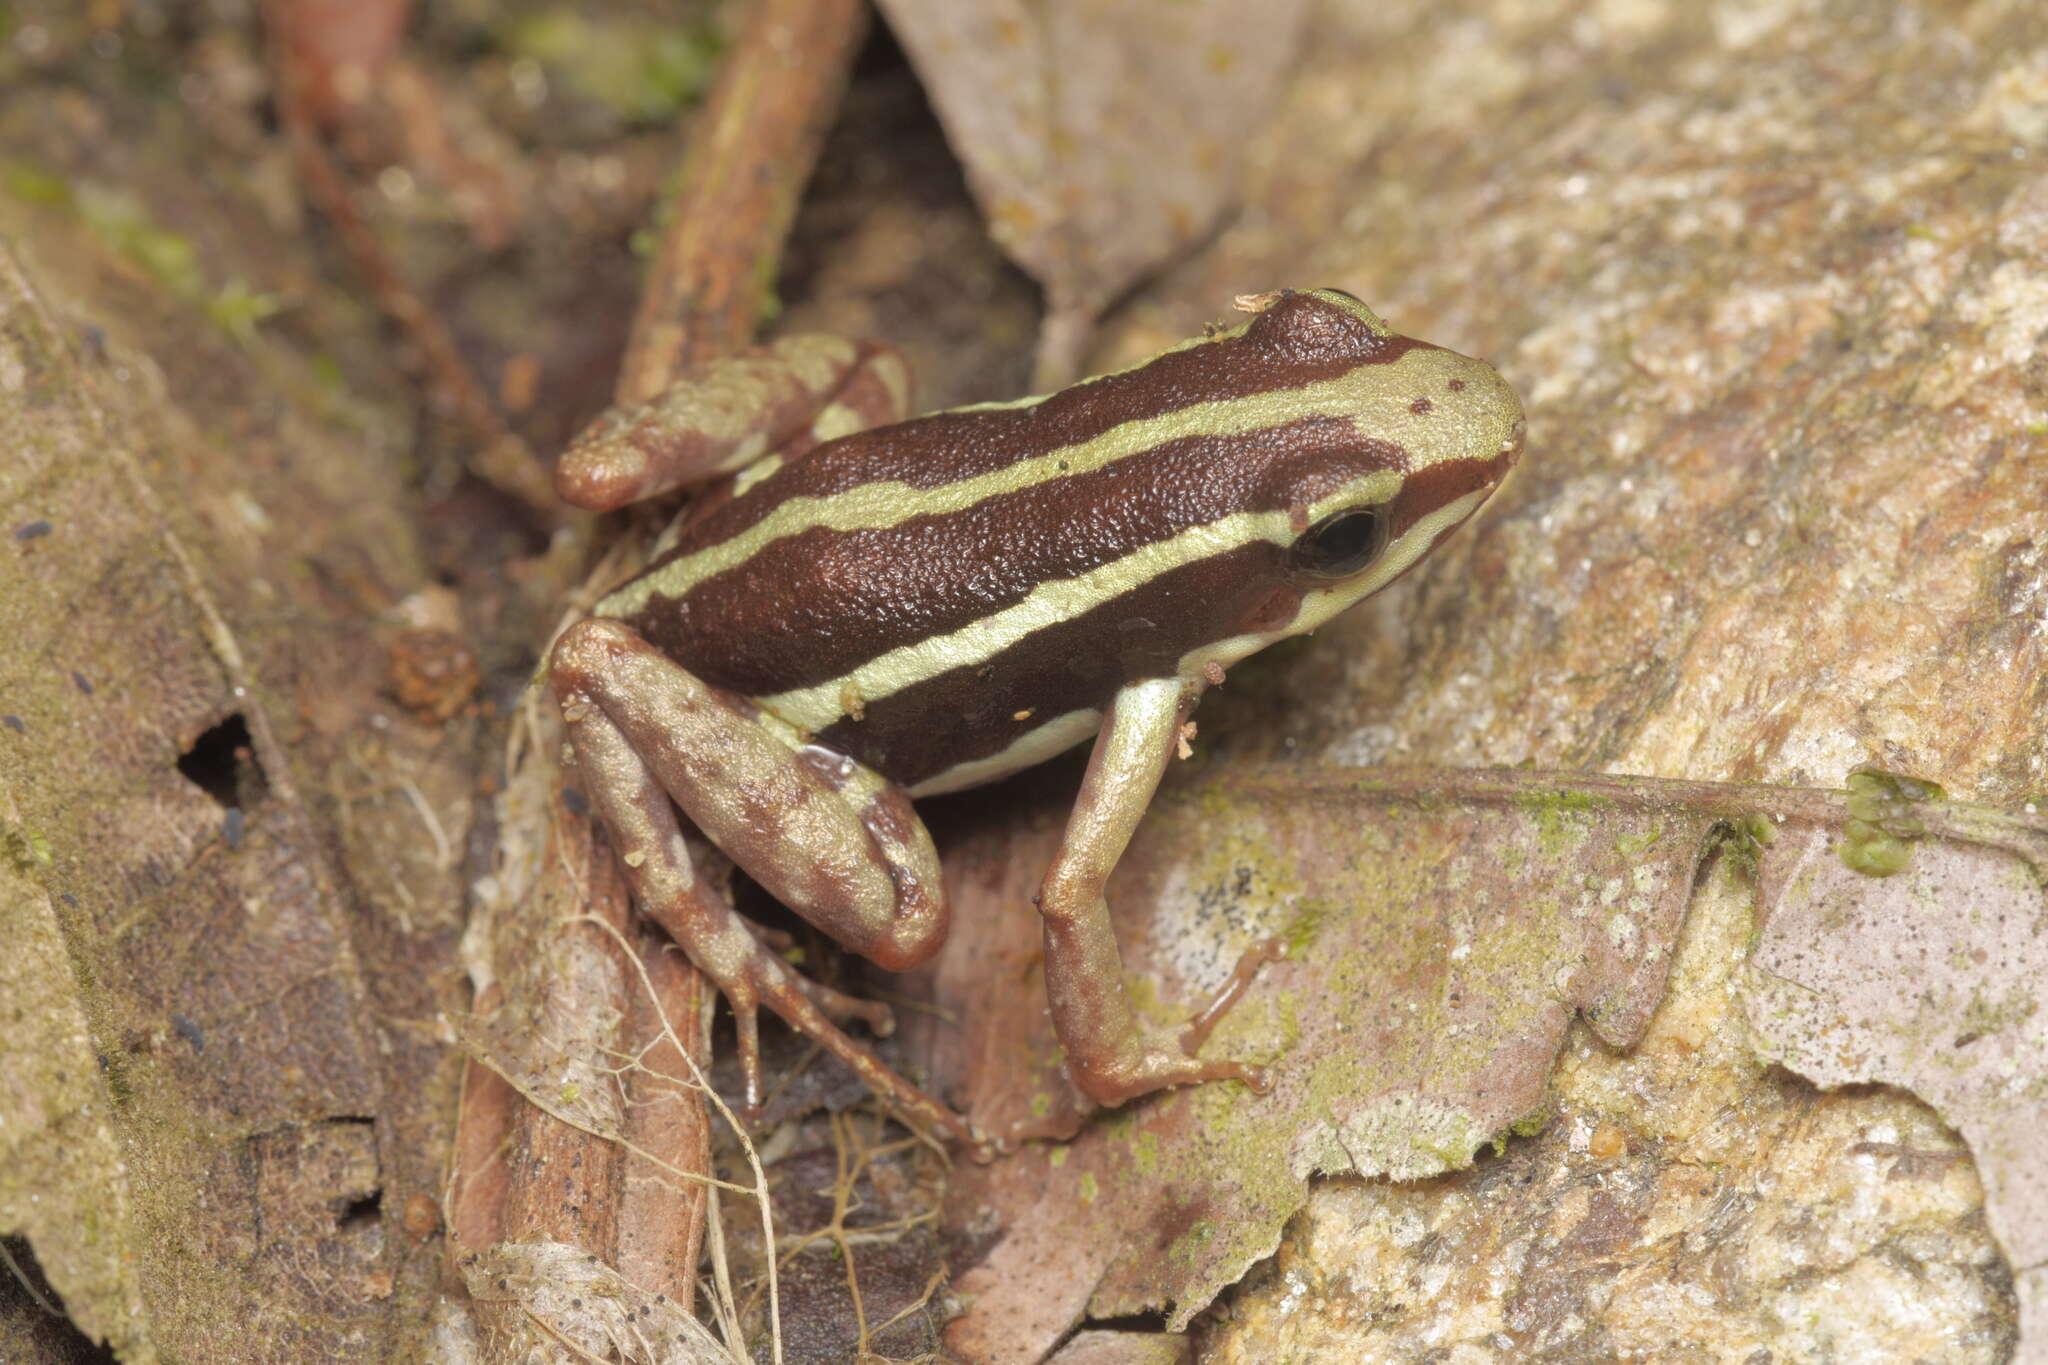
[(751, 151), (703, 1086), (500, 458), (661, 1230)]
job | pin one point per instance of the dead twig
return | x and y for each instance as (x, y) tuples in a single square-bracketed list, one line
[(500, 458), (751, 152)]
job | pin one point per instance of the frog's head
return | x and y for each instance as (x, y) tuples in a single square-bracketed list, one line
[(1394, 443)]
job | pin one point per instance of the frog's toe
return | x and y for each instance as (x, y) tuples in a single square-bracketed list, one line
[(1205, 1020), (839, 1006), (747, 1024)]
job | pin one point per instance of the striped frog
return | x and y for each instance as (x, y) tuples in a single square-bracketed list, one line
[(869, 613)]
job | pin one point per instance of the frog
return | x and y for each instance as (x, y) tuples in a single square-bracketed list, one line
[(868, 608)]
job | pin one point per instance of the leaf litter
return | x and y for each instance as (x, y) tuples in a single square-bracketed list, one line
[(1445, 930)]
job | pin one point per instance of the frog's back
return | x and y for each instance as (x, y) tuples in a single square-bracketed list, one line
[(957, 596)]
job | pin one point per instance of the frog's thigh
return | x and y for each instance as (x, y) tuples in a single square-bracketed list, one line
[(825, 836), (1106, 1048)]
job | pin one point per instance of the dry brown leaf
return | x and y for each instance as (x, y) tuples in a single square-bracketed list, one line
[(1101, 140), (194, 1086)]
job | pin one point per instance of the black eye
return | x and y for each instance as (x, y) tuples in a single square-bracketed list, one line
[(1342, 543)]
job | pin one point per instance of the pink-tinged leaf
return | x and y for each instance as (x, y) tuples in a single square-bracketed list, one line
[(1438, 951), (1930, 980), (1444, 930)]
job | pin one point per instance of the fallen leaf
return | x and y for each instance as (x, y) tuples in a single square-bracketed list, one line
[(1444, 929), (1100, 139), (1930, 980)]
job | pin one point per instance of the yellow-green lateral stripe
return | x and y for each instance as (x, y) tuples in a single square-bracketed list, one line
[(815, 707), (1376, 398)]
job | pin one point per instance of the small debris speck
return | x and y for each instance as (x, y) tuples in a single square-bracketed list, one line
[(15, 724), (231, 825), (33, 530), (84, 683)]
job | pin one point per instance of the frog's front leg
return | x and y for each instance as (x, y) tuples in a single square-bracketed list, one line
[(1107, 1051), (825, 836)]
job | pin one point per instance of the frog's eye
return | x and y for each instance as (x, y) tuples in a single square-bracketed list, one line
[(1341, 543)]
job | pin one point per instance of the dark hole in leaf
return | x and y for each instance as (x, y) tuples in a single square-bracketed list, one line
[(1154, 1323), (222, 763), (28, 1302), (359, 1215)]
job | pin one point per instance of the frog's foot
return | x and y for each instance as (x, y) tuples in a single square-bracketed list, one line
[(1204, 1021), (1107, 1052), (1126, 1078), (837, 1005), (626, 722)]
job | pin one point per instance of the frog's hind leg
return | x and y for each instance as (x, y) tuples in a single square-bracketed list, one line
[(645, 731)]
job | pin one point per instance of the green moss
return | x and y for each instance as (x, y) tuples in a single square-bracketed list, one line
[(1529, 1125), (1089, 1187), (1870, 850), (1634, 845), (236, 309), (1561, 799), (119, 219), (1145, 1153), (121, 222), (1191, 1243), (33, 185), (1555, 813), (26, 848), (1289, 1022), (1302, 930), (114, 1071), (643, 70), (1746, 839), (1877, 837), (1875, 794)]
